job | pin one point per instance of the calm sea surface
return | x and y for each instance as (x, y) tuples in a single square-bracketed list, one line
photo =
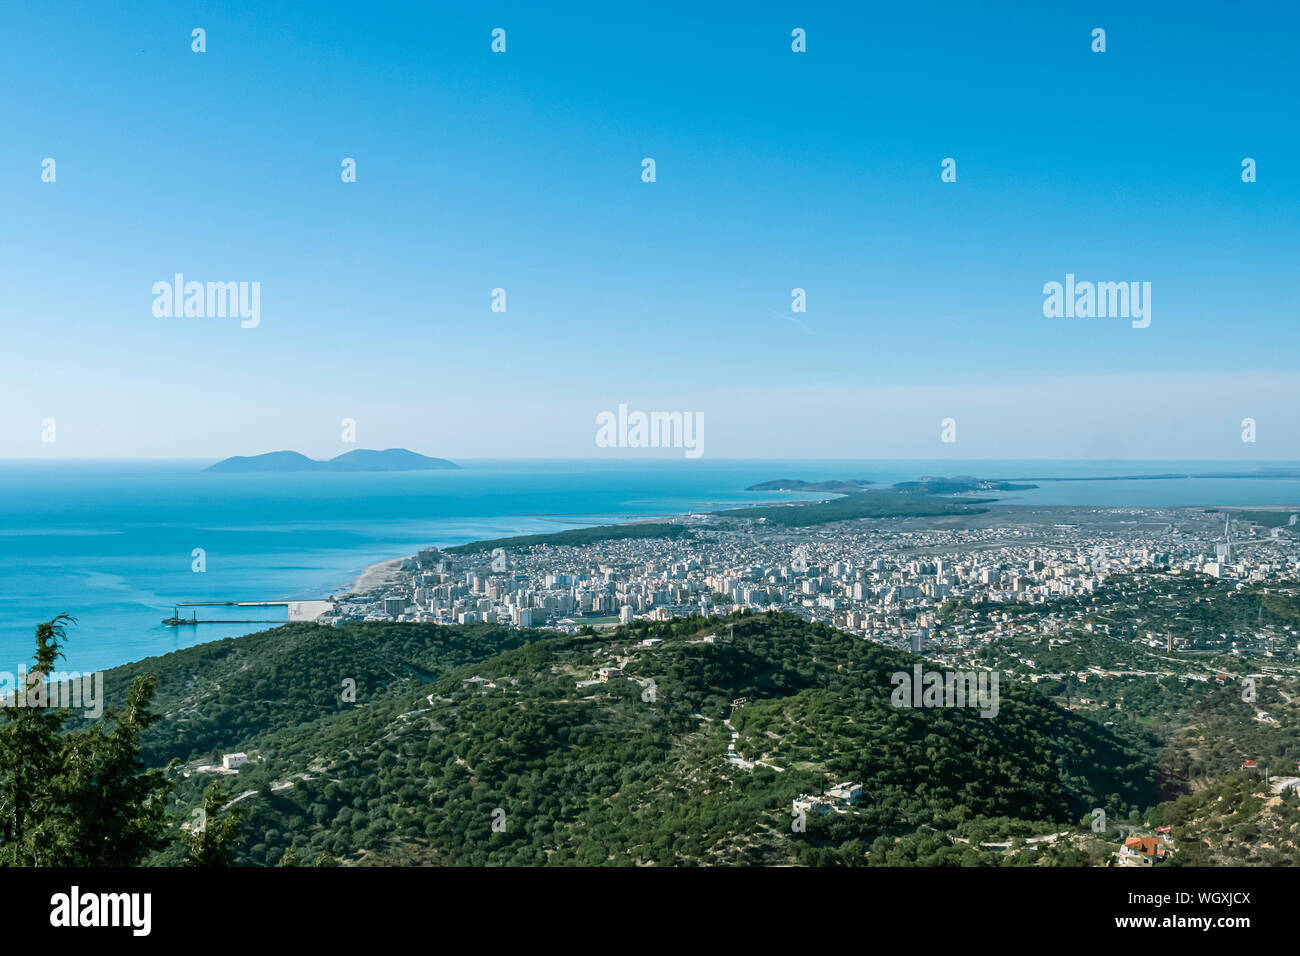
[(111, 542)]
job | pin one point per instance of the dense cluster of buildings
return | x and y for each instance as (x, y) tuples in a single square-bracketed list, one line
[(882, 579)]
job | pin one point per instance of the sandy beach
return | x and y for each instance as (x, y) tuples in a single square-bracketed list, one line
[(377, 576)]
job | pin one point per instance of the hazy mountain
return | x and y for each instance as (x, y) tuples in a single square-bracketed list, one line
[(362, 459), (390, 459)]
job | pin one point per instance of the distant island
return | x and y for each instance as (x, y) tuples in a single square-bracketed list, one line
[(794, 484), (927, 485), (1258, 473), (362, 459), (958, 484)]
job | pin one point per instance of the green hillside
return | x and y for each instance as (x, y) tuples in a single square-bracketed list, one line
[(427, 759)]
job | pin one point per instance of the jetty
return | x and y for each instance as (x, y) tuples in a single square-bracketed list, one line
[(297, 611), (177, 621)]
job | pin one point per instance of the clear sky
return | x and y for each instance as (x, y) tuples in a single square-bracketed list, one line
[(775, 170)]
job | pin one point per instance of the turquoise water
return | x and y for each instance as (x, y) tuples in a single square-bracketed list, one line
[(111, 542)]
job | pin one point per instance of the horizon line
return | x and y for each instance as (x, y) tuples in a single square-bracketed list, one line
[(670, 458)]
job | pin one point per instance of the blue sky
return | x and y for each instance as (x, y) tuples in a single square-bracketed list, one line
[(775, 170)]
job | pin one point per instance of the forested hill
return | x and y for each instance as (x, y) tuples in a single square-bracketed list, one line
[(478, 744)]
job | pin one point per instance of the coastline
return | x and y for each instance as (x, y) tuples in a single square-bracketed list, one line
[(119, 613), (382, 573), (374, 576)]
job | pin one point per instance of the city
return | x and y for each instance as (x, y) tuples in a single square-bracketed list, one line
[(887, 580)]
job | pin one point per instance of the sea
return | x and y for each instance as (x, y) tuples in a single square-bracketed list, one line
[(113, 543)]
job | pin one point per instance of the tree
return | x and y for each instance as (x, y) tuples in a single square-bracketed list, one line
[(83, 798), (30, 765), (213, 837), (117, 805)]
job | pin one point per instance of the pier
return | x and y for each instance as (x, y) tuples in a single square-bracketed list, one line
[(297, 611), (177, 621), (233, 604)]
